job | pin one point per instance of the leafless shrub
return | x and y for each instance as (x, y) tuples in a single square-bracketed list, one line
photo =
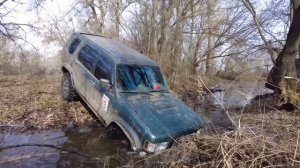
[(14, 61)]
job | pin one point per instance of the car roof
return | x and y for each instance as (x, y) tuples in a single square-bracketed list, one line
[(120, 52)]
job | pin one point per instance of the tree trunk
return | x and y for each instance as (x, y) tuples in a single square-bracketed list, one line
[(118, 18), (166, 14), (210, 49), (285, 70), (102, 8)]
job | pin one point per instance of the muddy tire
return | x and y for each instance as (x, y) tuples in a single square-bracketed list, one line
[(68, 92)]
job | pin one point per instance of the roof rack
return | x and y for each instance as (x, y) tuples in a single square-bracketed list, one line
[(95, 35)]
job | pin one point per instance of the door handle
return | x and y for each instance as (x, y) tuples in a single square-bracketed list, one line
[(93, 82)]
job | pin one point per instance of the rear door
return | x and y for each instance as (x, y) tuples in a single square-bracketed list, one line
[(99, 98), (83, 68)]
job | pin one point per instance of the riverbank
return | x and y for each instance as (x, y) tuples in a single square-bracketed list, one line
[(265, 136), (258, 134), (33, 103)]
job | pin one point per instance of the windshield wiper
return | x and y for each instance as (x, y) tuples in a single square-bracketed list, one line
[(165, 90)]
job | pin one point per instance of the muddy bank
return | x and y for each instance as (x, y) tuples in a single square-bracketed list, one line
[(35, 103), (265, 136), (32, 111), (77, 147)]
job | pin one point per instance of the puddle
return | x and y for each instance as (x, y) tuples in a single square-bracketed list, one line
[(85, 147), (212, 106), (237, 94)]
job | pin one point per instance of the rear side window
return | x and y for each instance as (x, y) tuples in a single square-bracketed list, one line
[(73, 45), (103, 68), (87, 56)]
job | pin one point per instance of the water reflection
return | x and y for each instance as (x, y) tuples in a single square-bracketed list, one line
[(219, 109), (237, 94), (85, 147)]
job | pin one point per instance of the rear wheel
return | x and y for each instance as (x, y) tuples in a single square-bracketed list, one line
[(68, 92)]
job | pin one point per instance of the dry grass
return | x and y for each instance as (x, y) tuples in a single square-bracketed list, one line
[(265, 137), (36, 102), (264, 140)]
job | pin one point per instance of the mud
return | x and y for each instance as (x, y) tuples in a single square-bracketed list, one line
[(37, 127), (76, 147), (35, 104)]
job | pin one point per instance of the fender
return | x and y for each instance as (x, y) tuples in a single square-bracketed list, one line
[(68, 68)]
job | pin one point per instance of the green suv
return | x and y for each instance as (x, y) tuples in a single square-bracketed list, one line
[(126, 90)]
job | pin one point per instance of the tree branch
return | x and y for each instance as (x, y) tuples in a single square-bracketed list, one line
[(269, 46), (3, 2)]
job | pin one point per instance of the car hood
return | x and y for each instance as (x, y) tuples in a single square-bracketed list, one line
[(166, 115)]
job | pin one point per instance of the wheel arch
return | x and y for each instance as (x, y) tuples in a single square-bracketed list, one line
[(129, 133), (67, 69)]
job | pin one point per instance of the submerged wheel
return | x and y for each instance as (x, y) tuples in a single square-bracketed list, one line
[(68, 92), (115, 132)]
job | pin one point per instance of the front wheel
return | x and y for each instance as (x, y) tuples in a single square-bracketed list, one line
[(68, 92)]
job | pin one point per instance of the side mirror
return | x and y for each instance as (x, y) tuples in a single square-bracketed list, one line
[(105, 83)]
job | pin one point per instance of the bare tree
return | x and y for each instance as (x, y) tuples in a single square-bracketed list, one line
[(261, 32), (99, 17), (10, 29), (285, 69)]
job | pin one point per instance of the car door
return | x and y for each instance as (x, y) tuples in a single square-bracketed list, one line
[(93, 86), (83, 66), (79, 70), (100, 98)]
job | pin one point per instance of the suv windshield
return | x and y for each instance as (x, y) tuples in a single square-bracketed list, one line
[(139, 78)]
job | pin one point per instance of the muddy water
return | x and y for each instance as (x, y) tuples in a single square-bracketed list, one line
[(88, 147), (237, 94), (220, 109), (85, 147)]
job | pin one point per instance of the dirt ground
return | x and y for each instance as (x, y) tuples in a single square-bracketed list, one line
[(35, 103), (264, 134)]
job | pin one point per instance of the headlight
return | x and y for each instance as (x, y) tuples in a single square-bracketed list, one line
[(151, 147), (161, 146)]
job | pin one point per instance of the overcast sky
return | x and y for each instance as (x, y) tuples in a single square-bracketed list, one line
[(27, 14)]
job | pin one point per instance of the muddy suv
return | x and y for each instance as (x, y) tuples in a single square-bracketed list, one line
[(126, 90), (270, 84)]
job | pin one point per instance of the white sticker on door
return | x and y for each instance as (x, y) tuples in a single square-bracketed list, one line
[(105, 101)]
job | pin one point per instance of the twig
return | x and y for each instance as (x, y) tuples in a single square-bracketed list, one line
[(295, 153)]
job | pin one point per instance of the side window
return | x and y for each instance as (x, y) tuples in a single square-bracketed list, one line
[(103, 68), (87, 56), (73, 45)]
